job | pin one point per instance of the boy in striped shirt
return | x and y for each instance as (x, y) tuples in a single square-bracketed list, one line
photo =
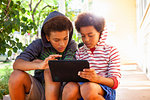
[(104, 73)]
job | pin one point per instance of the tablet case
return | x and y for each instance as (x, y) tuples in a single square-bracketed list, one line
[(67, 70)]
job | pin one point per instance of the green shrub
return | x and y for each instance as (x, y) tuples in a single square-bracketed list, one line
[(4, 82)]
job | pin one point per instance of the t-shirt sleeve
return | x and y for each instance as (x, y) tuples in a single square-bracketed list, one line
[(32, 51), (70, 52), (114, 67)]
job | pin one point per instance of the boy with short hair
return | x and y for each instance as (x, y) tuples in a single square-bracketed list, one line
[(56, 34), (104, 73)]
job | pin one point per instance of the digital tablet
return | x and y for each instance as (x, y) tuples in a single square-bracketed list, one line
[(67, 70)]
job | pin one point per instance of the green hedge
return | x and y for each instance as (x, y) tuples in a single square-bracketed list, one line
[(4, 81)]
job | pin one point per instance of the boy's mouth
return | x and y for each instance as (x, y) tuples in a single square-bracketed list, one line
[(61, 48), (88, 44)]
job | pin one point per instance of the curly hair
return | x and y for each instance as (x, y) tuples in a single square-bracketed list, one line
[(89, 19), (58, 23)]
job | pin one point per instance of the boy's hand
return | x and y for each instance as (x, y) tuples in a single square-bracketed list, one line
[(44, 64), (89, 74)]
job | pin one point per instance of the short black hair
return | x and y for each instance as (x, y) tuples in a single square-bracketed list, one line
[(58, 23), (89, 19)]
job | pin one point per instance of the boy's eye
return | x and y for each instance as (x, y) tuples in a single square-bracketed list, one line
[(83, 35), (66, 38), (56, 40), (90, 35)]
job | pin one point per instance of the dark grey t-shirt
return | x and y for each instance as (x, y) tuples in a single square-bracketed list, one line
[(36, 50)]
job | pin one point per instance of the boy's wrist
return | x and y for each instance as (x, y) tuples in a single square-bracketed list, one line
[(100, 79)]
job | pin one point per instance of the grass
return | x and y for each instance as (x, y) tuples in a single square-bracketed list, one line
[(4, 77), (5, 67), (5, 71)]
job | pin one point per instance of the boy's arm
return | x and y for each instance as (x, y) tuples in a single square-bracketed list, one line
[(33, 65), (113, 73), (105, 81), (25, 65), (25, 61), (114, 67), (113, 77), (91, 75)]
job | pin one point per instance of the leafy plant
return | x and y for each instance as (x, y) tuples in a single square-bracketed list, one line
[(12, 19), (24, 16), (4, 82)]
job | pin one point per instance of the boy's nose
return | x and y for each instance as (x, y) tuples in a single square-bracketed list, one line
[(61, 43), (86, 39)]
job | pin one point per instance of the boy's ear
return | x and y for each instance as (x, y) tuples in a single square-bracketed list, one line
[(47, 37)]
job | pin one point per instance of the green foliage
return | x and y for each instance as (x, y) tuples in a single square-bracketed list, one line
[(24, 16), (12, 18), (69, 12), (72, 14), (4, 82)]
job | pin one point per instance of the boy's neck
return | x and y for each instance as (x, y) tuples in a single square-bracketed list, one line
[(92, 49)]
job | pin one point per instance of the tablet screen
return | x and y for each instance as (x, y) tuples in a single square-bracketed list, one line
[(67, 70)]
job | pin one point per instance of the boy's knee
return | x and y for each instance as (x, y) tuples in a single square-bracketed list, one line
[(16, 76), (86, 89), (89, 97), (71, 89), (89, 91), (86, 86), (86, 92), (71, 86)]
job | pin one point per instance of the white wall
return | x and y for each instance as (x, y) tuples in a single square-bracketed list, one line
[(121, 16), (143, 33)]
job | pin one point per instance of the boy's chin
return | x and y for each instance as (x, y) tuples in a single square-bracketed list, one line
[(60, 51), (88, 46)]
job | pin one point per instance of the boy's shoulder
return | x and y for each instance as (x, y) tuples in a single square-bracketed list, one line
[(32, 51), (82, 49), (72, 42), (37, 42), (110, 47), (35, 45)]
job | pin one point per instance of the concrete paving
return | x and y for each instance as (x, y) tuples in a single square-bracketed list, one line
[(134, 84)]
